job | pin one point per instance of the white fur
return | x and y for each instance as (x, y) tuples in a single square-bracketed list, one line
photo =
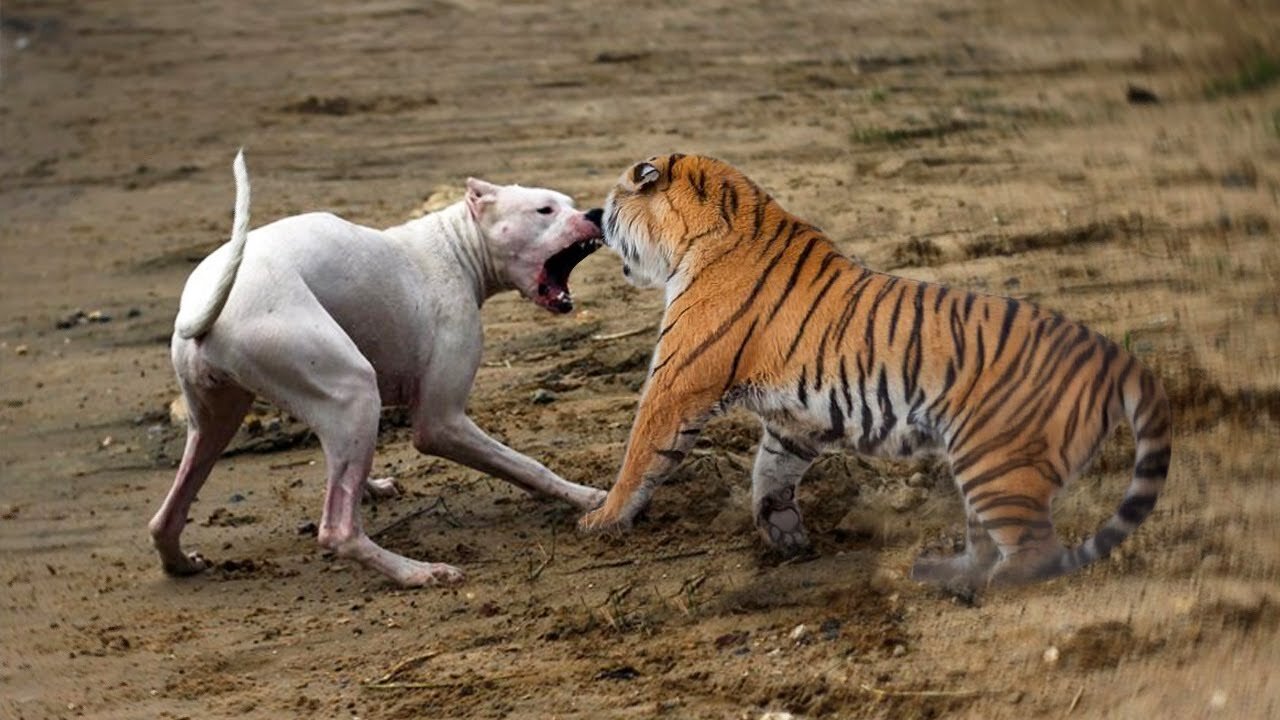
[(646, 264), (196, 317)]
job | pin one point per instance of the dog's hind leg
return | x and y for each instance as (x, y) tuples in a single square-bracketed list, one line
[(214, 415), (320, 375)]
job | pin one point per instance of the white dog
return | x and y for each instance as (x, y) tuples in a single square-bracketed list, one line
[(332, 321)]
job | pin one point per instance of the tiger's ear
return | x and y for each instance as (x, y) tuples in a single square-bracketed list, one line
[(644, 175)]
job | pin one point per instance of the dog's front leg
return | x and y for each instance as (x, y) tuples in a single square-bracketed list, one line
[(459, 439)]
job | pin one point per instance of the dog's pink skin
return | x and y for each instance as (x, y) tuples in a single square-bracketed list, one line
[(332, 321)]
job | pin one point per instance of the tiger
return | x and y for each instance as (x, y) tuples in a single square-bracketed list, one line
[(762, 311)]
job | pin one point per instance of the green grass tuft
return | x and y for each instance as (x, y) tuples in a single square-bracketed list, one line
[(1259, 73)]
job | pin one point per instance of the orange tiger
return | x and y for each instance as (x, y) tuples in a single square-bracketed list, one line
[(763, 312)]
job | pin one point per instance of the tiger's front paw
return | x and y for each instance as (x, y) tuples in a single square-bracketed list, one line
[(603, 519)]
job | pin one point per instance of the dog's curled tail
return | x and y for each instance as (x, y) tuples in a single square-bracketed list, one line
[(195, 319)]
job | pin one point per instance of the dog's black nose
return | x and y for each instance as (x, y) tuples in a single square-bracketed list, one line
[(595, 216)]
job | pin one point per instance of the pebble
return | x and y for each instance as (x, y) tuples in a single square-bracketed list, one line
[(1051, 654), (80, 317), (800, 633), (21, 349), (1218, 700), (308, 528), (542, 396)]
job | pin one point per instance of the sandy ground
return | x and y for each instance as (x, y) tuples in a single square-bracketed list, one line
[(989, 145)]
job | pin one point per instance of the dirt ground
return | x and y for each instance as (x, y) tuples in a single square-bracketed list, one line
[(991, 145)]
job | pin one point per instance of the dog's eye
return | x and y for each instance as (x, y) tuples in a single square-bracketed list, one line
[(545, 210)]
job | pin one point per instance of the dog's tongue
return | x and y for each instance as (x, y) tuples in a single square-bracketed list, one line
[(553, 282)]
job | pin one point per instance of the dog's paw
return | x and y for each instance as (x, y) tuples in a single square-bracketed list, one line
[(194, 564), (382, 488), (426, 574)]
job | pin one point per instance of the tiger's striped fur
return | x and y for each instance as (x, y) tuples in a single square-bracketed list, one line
[(764, 312)]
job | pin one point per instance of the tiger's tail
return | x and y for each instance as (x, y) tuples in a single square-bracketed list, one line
[(195, 321), (1147, 408)]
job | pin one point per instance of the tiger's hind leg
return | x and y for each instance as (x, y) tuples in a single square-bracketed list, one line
[(1014, 510), (963, 573), (779, 466)]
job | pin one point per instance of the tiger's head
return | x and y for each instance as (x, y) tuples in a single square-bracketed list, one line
[(662, 207)]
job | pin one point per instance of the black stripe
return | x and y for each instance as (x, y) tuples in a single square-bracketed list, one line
[(913, 358), (998, 523), (673, 455), (737, 315), (1136, 508), (802, 391), (699, 184), (795, 273), (1157, 428), (737, 357), (1010, 312), (1154, 464), (728, 203), (837, 419), (937, 299), (844, 386), (660, 365), (893, 318), (1025, 502), (792, 447), (812, 307)]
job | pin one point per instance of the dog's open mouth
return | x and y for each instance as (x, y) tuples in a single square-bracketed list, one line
[(553, 281)]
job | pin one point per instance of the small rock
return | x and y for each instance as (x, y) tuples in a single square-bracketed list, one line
[(97, 316), (21, 350), (106, 442), (611, 57), (1138, 95), (308, 528), (799, 634), (1244, 176), (542, 396), (890, 167), (623, 672), (236, 498), (133, 313), (1051, 654), (830, 629), (178, 411), (1218, 700), (899, 650), (731, 639)]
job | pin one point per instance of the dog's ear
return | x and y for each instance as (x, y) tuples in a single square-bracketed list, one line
[(479, 194)]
